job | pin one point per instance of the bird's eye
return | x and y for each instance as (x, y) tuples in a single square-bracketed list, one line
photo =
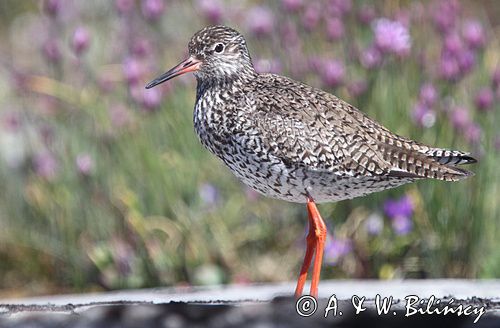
[(219, 48)]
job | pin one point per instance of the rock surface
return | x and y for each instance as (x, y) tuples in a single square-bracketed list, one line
[(265, 306)]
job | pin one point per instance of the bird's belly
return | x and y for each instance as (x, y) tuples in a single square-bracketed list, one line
[(272, 178)]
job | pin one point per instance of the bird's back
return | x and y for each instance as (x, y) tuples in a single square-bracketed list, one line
[(311, 128)]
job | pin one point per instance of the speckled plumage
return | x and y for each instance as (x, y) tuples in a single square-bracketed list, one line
[(288, 140)]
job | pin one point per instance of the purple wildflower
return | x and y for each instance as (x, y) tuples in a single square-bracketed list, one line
[(80, 41), (374, 224), (291, 5), (84, 164), (496, 143), (423, 115), (119, 116), (211, 9), (445, 14), (11, 121), (209, 194), (428, 94), (400, 212), (52, 7), (289, 34), (336, 248), (152, 9), (366, 14), (484, 99), (46, 165), (260, 20), (52, 51), (268, 66), (251, 195), (339, 7), (141, 48), (495, 78), (449, 68), (472, 133), (133, 70), (460, 118), (124, 6), (334, 28), (391, 37), (371, 58), (400, 207), (357, 88), (311, 16), (151, 99), (402, 225), (453, 44), (333, 72), (466, 61), (474, 34)]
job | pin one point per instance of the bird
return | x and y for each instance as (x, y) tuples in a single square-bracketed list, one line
[(293, 142)]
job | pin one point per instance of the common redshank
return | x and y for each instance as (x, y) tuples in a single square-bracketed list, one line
[(293, 142)]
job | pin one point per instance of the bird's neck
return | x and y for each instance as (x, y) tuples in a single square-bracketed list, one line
[(224, 83)]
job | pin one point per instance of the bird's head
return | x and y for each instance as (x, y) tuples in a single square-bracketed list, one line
[(215, 52)]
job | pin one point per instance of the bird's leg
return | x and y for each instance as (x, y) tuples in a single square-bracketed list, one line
[(315, 245), (311, 246)]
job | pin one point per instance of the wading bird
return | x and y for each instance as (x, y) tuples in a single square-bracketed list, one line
[(293, 142)]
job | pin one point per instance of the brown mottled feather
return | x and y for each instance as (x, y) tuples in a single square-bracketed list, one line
[(358, 143)]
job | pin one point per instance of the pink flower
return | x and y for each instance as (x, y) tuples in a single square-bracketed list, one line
[(366, 14), (474, 34), (357, 88), (495, 78), (260, 20), (119, 116), (46, 165), (268, 66), (52, 51), (52, 7), (445, 14), (428, 94), (152, 9), (333, 73), (423, 115), (212, 10), (85, 164), (339, 7), (484, 99), (370, 58), (133, 70), (291, 5), (473, 133), (311, 16), (80, 41), (391, 37), (334, 28), (460, 118), (336, 248), (151, 99), (124, 6), (449, 68)]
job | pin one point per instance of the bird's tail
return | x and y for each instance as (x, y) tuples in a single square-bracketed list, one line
[(435, 163), (450, 157)]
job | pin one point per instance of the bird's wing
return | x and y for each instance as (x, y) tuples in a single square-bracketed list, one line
[(314, 129)]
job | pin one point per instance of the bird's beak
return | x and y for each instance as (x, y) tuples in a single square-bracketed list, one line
[(189, 65)]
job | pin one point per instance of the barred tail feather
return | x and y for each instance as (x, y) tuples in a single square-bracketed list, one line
[(450, 157)]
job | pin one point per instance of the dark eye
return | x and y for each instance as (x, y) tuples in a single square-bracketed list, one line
[(219, 47)]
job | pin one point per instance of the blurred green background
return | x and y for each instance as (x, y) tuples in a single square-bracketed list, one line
[(104, 185)]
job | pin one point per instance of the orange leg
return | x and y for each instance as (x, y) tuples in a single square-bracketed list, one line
[(315, 245)]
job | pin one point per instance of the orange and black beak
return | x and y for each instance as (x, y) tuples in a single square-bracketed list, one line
[(189, 65)]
